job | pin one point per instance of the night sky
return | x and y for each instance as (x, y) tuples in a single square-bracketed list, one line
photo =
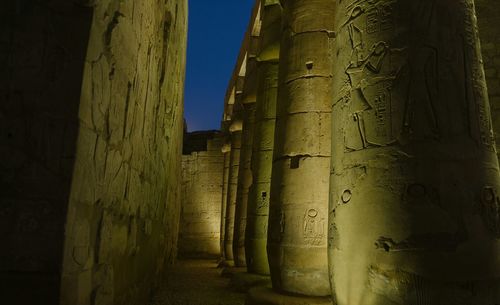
[(216, 30)]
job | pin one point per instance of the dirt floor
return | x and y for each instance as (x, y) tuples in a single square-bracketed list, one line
[(197, 282)]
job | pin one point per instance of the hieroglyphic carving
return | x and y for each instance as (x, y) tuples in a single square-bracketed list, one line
[(475, 80), (263, 203), (375, 66), (423, 81), (490, 209), (346, 196), (371, 99), (370, 94), (379, 19), (422, 95), (314, 227)]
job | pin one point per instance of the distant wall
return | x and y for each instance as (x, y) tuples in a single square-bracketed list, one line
[(488, 12), (197, 141), (91, 122), (202, 173)]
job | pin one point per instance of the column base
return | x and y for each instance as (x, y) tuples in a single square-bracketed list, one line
[(231, 270), (267, 296), (242, 282)]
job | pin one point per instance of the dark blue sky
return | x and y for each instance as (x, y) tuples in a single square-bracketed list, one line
[(216, 30)]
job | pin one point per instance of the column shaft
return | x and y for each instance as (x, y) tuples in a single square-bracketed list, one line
[(299, 188), (263, 145), (489, 33), (414, 197), (231, 193), (244, 182), (225, 182)]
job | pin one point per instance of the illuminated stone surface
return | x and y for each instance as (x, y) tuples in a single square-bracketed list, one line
[(202, 171), (249, 79), (226, 150), (298, 213), (244, 182), (489, 34), (414, 186), (236, 131), (124, 206), (263, 143), (91, 134), (91, 107)]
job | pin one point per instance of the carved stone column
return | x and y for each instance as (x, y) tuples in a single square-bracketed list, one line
[(265, 119), (489, 33), (248, 99), (414, 197), (226, 150), (236, 130), (297, 239), (244, 182)]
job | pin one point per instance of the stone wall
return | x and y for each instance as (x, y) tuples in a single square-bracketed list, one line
[(124, 206), (202, 173), (90, 148), (487, 13)]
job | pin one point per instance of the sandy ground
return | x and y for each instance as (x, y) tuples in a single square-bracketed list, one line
[(196, 282)]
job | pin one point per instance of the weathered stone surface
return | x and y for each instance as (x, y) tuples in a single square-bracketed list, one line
[(263, 144), (202, 172), (244, 183), (226, 150), (99, 155), (489, 33), (298, 212), (236, 132), (126, 189), (414, 205)]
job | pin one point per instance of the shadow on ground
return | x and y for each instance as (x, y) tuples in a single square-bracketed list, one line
[(196, 282)]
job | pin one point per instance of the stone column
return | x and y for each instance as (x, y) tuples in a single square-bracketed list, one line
[(300, 174), (414, 197), (489, 33), (265, 118), (248, 99), (226, 150), (244, 182), (235, 129)]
